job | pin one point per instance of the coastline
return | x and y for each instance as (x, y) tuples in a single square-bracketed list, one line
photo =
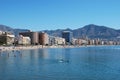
[(10, 48)]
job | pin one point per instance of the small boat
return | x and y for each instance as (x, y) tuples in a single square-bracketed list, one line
[(62, 61)]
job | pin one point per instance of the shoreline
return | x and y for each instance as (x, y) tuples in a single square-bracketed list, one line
[(10, 48)]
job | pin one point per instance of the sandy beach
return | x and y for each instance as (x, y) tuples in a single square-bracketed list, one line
[(9, 48)]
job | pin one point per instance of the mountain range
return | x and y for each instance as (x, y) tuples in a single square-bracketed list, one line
[(91, 31), (12, 30)]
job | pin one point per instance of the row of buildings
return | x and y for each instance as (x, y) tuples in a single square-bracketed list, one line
[(30, 38), (41, 38), (36, 38), (94, 42)]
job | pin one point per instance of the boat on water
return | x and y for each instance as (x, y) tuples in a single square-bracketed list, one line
[(63, 61)]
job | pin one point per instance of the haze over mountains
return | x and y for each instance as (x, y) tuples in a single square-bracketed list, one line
[(91, 31)]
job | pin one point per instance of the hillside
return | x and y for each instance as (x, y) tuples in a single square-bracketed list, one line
[(6, 28), (9, 29), (95, 31), (91, 31)]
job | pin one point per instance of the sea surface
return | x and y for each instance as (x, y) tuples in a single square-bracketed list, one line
[(83, 63)]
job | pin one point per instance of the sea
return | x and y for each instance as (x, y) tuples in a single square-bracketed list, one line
[(79, 63)]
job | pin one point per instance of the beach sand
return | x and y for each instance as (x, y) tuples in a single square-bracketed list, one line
[(9, 48)]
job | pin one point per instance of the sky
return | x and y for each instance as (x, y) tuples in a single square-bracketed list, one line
[(39, 15)]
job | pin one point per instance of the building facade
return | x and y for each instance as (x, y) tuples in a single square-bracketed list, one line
[(24, 40), (56, 40), (34, 36), (43, 38), (59, 41), (6, 38), (68, 36)]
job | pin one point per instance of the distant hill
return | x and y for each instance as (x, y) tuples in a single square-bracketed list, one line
[(118, 31), (57, 32), (6, 28), (9, 29), (95, 31), (91, 31), (17, 31)]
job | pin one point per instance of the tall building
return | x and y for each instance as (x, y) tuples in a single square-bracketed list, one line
[(43, 38), (34, 36), (68, 36)]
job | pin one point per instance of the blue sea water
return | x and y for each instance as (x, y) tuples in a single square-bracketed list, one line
[(83, 63)]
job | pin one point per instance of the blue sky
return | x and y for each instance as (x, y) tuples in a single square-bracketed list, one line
[(59, 14)]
